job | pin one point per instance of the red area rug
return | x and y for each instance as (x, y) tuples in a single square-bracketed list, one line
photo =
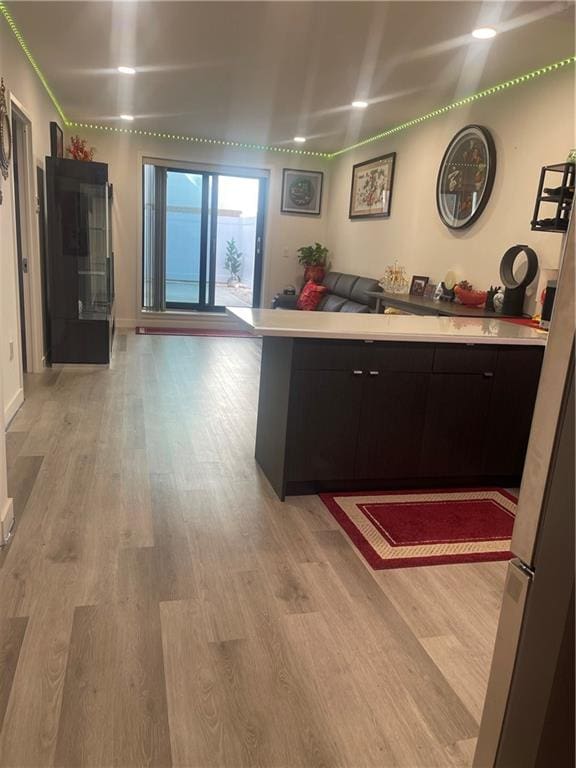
[(402, 529), (141, 330)]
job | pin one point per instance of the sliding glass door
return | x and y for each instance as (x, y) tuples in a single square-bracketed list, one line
[(203, 239)]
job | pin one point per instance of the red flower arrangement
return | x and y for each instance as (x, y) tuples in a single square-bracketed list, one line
[(78, 149)]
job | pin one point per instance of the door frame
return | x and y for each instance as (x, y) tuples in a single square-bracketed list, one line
[(183, 312), (32, 281)]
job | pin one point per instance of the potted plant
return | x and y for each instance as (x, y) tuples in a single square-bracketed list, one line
[(233, 262), (314, 260)]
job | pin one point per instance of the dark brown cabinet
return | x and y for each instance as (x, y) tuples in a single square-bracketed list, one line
[(356, 415), (454, 432), (391, 422), (327, 446)]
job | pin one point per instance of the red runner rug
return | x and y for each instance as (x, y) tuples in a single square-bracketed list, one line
[(141, 330), (402, 529)]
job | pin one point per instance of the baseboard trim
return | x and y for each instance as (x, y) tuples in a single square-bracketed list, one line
[(6, 521), (13, 406), (201, 320)]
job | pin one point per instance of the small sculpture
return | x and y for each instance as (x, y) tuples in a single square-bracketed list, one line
[(394, 279), (490, 297), (498, 300)]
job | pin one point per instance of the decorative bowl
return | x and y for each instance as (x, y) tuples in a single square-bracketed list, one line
[(470, 298)]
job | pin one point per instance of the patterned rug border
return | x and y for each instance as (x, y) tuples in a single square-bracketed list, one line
[(379, 564)]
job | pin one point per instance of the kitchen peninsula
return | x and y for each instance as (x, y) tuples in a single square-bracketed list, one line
[(364, 401)]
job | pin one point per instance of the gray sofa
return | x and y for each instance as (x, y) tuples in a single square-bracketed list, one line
[(346, 293)]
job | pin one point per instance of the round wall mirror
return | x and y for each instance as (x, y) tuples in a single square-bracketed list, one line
[(5, 134), (466, 177)]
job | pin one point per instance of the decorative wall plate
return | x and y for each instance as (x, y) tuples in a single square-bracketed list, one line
[(466, 177), (5, 133)]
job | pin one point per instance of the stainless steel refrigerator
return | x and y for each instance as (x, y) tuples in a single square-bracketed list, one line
[(528, 718)]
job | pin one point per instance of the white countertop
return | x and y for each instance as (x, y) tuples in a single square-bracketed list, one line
[(345, 325)]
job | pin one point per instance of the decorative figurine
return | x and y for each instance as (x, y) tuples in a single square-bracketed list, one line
[(498, 300), (394, 279), (490, 298)]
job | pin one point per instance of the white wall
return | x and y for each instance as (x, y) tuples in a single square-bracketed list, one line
[(532, 126), (284, 232), (21, 83)]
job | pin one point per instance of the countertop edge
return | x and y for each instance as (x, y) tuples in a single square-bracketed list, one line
[(432, 338)]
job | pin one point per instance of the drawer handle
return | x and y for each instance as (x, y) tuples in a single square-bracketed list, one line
[(374, 373), (488, 374), (357, 373)]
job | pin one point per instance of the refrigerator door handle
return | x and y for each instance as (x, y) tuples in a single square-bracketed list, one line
[(518, 581)]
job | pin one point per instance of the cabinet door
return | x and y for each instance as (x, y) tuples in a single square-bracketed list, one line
[(391, 423), (323, 424), (511, 408), (456, 425)]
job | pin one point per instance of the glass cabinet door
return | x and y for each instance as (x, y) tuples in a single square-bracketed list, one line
[(93, 261)]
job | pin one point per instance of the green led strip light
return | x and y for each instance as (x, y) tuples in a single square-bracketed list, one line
[(269, 148), (18, 35), (197, 140), (460, 103)]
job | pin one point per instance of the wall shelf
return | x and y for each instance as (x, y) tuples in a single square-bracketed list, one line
[(557, 191)]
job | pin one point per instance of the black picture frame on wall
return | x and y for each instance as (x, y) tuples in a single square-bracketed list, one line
[(56, 140), (301, 192), (466, 177), (371, 188)]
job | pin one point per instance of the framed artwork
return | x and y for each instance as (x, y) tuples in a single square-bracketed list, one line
[(301, 191), (56, 140), (371, 193), (466, 177), (418, 285)]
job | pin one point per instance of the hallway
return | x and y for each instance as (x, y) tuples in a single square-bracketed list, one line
[(159, 605)]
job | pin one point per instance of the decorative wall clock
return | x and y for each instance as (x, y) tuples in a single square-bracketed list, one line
[(466, 177), (5, 133)]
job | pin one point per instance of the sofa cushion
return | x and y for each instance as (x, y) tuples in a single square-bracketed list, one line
[(363, 284), (354, 306), (331, 303), (330, 280), (344, 285), (310, 296)]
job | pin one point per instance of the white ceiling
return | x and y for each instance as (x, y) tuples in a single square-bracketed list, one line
[(267, 71)]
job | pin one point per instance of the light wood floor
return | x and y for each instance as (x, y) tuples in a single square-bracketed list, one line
[(159, 606)]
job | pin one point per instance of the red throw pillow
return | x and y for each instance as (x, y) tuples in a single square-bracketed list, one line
[(310, 296)]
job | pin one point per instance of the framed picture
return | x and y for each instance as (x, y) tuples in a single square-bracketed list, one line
[(371, 193), (418, 285), (301, 191), (466, 177), (56, 140)]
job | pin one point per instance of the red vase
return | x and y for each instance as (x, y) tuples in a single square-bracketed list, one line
[(314, 273)]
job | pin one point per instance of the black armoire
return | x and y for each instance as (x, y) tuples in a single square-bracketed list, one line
[(79, 263)]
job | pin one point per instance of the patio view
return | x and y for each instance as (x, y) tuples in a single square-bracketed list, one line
[(230, 264)]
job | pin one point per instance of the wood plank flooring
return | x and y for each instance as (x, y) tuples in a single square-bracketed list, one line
[(159, 606)]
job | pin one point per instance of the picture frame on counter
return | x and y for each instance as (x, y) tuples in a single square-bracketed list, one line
[(301, 192), (372, 185), (418, 285)]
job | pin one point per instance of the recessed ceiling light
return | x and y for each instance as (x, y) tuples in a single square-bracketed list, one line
[(126, 117), (484, 33), (299, 139), (127, 70), (359, 104)]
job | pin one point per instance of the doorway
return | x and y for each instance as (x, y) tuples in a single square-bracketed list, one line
[(203, 239), (23, 217)]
